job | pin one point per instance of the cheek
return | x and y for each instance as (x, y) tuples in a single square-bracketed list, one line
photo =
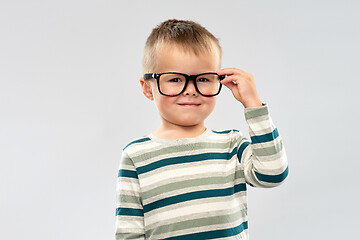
[(211, 102), (163, 103)]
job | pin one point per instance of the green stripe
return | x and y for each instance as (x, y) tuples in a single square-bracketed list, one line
[(128, 198), (254, 113), (192, 183), (273, 178), (127, 173), (185, 159), (181, 149), (198, 222), (129, 212), (212, 234), (265, 138), (269, 150), (137, 141), (241, 149), (126, 161), (121, 236), (225, 131), (194, 195)]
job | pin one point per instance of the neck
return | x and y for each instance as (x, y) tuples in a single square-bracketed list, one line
[(172, 131)]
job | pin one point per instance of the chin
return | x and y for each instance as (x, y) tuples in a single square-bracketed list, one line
[(189, 122)]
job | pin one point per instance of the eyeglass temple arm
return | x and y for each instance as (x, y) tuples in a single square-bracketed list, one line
[(222, 77), (148, 76)]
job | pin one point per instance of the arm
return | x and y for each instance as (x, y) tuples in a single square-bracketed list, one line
[(129, 208), (264, 159)]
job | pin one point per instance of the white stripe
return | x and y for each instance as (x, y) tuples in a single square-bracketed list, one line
[(197, 206), (194, 177), (123, 225), (127, 167), (186, 169), (213, 213), (279, 156), (267, 144), (203, 229), (256, 125), (182, 154), (129, 205), (127, 186), (224, 137), (271, 167), (137, 149), (187, 190)]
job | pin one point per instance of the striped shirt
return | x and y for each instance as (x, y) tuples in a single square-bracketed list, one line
[(195, 188)]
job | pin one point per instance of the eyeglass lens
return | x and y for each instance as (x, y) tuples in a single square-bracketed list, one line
[(173, 84)]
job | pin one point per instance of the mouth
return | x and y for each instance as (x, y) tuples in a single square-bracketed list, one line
[(189, 104)]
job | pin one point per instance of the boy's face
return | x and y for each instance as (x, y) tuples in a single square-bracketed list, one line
[(189, 108)]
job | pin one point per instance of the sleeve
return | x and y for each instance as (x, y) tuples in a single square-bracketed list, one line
[(264, 159), (129, 208)]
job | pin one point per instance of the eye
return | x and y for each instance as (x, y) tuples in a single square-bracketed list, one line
[(202, 80), (175, 80)]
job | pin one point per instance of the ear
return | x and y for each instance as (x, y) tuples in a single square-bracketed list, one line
[(146, 88)]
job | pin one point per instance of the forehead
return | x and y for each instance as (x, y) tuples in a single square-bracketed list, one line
[(180, 59)]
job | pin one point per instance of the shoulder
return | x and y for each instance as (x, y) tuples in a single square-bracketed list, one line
[(137, 142), (232, 138), (229, 134)]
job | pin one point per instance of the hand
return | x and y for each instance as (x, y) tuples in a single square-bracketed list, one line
[(242, 86)]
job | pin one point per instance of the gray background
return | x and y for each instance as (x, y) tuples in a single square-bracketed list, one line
[(70, 100)]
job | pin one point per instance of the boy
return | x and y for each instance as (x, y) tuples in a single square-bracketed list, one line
[(184, 181)]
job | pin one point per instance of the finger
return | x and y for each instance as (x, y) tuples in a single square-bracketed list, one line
[(231, 83), (230, 71), (233, 79), (231, 86)]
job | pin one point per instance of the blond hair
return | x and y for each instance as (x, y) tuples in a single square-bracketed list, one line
[(188, 35)]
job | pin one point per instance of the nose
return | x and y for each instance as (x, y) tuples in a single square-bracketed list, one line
[(190, 89)]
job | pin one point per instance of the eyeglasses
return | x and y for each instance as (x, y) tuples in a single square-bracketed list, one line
[(173, 83)]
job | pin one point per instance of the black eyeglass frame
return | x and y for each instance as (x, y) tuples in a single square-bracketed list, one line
[(148, 76)]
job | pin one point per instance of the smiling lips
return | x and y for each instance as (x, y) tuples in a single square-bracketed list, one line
[(189, 104)]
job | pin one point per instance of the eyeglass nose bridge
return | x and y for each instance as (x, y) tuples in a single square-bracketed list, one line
[(188, 79), (191, 77)]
